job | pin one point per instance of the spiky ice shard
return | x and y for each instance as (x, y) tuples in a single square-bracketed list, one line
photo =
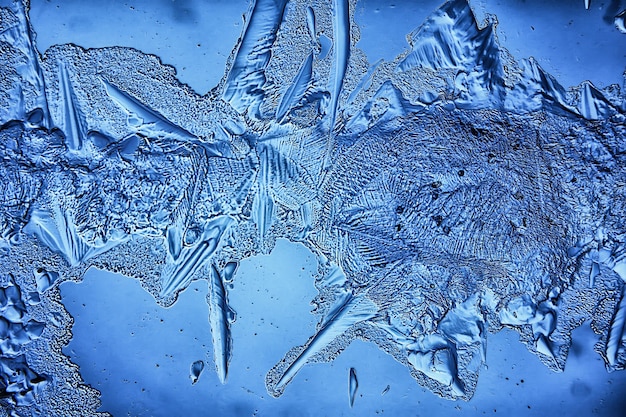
[(447, 194)]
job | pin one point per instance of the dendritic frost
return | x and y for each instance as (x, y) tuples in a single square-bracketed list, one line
[(447, 194)]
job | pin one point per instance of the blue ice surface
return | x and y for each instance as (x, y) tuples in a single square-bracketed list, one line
[(196, 37), (321, 388), (138, 355), (573, 44)]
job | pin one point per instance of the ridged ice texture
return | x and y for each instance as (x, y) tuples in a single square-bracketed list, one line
[(447, 194)]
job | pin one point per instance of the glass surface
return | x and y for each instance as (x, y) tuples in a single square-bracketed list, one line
[(327, 208)]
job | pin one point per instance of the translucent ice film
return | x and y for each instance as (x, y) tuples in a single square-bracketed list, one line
[(425, 203)]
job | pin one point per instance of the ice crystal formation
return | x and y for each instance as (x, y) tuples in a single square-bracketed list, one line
[(447, 194)]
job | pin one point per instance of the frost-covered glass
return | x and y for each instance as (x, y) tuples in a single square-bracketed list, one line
[(435, 197)]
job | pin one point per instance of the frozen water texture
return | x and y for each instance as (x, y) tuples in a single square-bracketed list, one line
[(353, 386), (447, 194)]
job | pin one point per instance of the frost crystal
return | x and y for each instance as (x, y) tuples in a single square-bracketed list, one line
[(446, 195)]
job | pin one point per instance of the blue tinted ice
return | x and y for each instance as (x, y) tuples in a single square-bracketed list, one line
[(447, 194)]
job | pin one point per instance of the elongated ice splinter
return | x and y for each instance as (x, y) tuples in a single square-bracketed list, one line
[(220, 317), (353, 386)]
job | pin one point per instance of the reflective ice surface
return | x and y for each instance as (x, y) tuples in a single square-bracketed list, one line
[(439, 196)]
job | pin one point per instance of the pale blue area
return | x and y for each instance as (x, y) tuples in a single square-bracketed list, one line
[(120, 335), (379, 38), (195, 36), (571, 43)]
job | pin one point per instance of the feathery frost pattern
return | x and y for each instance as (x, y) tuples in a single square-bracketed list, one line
[(446, 195)]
